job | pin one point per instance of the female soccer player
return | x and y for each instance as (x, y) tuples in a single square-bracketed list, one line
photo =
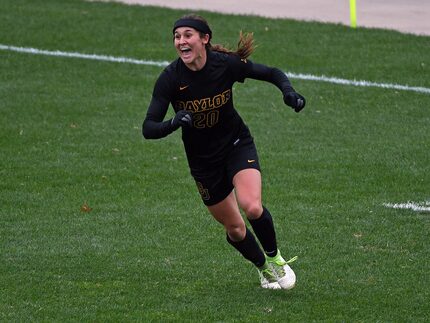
[(220, 149)]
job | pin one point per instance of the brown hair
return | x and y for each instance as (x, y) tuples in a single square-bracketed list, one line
[(245, 45)]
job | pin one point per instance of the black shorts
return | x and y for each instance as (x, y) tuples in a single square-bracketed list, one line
[(216, 183)]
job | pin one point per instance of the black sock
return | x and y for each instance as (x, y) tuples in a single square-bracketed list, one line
[(265, 232), (249, 249)]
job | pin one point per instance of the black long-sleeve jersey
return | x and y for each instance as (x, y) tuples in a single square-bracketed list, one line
[(207, 93)]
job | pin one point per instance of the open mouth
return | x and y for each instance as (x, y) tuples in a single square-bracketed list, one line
[(185, 51)]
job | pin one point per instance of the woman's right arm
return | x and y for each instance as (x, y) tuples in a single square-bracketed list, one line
[(154, 127)]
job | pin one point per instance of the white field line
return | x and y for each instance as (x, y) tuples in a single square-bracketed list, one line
[(58, 53), (336, 80), (300, 76), (418, 207)]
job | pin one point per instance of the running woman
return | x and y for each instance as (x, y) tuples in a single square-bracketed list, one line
[(220, 150)]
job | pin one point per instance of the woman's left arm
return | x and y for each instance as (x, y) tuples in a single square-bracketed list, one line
[(280, 80)]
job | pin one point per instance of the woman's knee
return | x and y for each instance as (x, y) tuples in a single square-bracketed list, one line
[(252, 209), (236, 232)]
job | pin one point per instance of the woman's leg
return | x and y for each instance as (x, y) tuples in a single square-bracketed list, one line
[(227, 213), (247, 184)]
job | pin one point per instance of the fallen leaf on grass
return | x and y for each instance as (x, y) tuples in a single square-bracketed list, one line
[(85, 208)]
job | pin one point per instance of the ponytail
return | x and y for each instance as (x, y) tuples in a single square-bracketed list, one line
[(245, 46)]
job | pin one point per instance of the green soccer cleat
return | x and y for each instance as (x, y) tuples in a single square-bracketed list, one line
[(267, 277), (284, 274)]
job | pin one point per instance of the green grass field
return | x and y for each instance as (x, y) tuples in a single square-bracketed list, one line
[(148, 250)]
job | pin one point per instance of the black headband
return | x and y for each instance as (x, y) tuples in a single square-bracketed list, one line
[(194, 23)]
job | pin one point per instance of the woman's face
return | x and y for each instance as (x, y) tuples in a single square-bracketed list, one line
[(190, 47)]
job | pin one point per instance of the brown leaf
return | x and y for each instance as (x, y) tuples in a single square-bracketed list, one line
[(85, 208)]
